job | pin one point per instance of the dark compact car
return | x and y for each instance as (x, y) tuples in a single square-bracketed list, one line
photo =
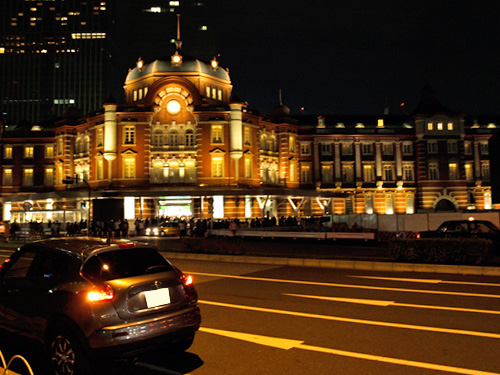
[(85, 299), (464, 229)]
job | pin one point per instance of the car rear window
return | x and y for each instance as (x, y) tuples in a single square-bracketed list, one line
[(125, 263)]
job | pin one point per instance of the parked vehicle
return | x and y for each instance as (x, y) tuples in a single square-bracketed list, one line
[(464, 229), (85, 298)]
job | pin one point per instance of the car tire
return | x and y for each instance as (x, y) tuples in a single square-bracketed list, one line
[(183, 345), (67, 355)]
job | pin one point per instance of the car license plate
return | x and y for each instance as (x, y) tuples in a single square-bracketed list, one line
[(159, 297)]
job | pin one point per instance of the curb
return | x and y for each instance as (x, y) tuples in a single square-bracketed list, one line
[(341, 264)]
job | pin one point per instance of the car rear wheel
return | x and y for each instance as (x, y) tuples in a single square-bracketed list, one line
[(67, 355)]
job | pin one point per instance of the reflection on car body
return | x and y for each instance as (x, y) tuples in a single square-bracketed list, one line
[(84, 298)]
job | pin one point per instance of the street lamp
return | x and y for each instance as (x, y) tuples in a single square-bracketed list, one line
[(70, 181)]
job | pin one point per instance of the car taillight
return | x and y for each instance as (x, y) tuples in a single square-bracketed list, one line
[(418, 235), (4, 263), (187, 280), (103, 293)]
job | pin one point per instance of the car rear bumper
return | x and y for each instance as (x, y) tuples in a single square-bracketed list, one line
[(138, 336)]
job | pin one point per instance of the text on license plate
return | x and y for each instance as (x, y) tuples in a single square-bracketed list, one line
[(157, 297)]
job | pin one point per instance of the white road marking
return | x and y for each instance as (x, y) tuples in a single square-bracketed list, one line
[(393, 303), (345, 285), (350, 320), (287, 344), (425, 281)]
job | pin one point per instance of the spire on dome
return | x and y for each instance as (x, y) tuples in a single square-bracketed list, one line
[(178, 42)]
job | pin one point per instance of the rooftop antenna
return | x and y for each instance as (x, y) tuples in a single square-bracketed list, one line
[(178, 42), (281, 100)]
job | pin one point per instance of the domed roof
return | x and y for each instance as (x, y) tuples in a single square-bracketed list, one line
[(188, 65)]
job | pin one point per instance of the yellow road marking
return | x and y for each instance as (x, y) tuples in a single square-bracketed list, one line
[(287, 344), (344, 285), (356, 321), (392, 303), (425, 281)]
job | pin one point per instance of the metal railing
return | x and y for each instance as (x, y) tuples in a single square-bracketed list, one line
[(4, 370)]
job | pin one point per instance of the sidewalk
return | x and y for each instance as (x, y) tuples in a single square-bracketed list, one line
[(357, 255), (342, 254)]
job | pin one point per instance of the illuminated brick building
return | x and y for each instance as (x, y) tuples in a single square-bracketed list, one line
[(183, 146)]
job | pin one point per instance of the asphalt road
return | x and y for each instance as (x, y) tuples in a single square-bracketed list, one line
[(288, 320), (261, 319)]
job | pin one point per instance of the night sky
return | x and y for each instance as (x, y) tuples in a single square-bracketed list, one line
[(354, 56)]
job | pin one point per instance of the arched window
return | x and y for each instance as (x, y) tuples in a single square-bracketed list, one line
[(189, 137), (263, 142), (86, 144), (174, 138), (158, 137)]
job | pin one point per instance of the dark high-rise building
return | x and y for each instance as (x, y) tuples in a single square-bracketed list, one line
[(54, 54)]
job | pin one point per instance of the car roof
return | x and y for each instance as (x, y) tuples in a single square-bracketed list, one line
[(84, 246)]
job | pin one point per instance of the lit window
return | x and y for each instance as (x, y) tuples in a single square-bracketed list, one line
[(7, 177), (28, 177), (248, 167), (129, 168), (49, 177), (49, 152), (28, 152), (8, 152), (440, 126), (100, 137), (469, 172), (217, 167), (453, 171), (292, 144), (100, 169), (173, 3), (347, 173), (368, 173), (129, 135), (430, 126), (346, 148), (246, 136), (450, 126), (217, 134), (468, 148), (293, 171), (305, 174), (327, 173)]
